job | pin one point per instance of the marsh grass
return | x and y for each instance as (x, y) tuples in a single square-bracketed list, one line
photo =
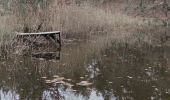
[(76, 21), (71, 19)]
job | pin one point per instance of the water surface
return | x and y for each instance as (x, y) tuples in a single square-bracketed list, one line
[(114, 71)]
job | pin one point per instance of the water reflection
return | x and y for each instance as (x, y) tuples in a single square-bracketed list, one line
[(8, 94), (48, 55), (117, 72), (136, 73)]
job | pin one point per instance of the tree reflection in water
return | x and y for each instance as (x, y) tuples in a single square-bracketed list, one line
[(117, 73)]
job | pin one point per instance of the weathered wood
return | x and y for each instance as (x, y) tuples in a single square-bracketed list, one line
[(48, 35), (39, 33)]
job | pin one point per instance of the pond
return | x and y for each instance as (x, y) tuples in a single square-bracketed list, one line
[(89, 70)]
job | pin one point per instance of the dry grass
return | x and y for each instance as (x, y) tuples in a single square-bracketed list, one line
[(72, 19), (75, 20)]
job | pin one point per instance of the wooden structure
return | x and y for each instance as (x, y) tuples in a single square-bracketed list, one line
[(53, 36)]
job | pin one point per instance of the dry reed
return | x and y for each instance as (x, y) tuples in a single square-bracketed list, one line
[(76, 20)]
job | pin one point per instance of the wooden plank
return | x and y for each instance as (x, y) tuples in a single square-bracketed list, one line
[(48, 35), (39, 33)]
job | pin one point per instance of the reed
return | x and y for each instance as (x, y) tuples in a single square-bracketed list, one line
[(75, 21)]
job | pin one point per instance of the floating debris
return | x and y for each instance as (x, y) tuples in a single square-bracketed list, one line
[(119, 77), (55, 76), (29, 73), (41, 59), (9, 78), (156, 89), (44, 77), (86, 75), (129, 77), (70, 40), (47, 81), (153, 86), (81, 77), (167, 92), (21, 89), (26, 68), (64, 64), (97, 69), (152, 98), (69, 80), (104, 55), (110, 82), (57, 79), (60, 82), (84, 83)]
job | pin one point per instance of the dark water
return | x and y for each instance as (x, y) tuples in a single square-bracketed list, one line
[(117, 72)]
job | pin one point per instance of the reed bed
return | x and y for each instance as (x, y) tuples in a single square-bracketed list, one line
[(75, 21)]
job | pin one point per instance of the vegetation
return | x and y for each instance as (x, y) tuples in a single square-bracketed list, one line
[(82, 19), (120, 46)]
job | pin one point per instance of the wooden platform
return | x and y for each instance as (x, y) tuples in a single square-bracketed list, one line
[(39, 33), (48, 35)]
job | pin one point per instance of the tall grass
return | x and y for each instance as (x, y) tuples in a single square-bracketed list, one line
[(73, 20)]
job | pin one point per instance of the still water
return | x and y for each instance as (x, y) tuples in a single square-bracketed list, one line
[(110, 72)]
